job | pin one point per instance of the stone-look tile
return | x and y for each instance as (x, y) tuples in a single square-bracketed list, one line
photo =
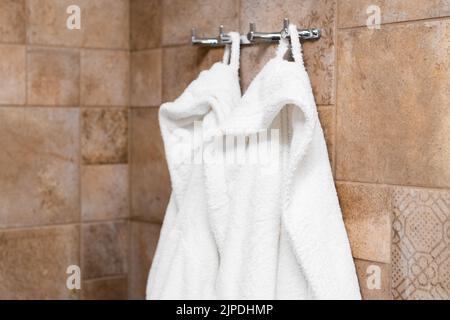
[(205, 15), (144, 239), (104, 23), (393, 114), (105, 289), (182, 65), (319, 55), (12, 21), (421, 244), (104, 136), (12, 74), (146, 78), (366, 210), (326, 117), (104, 249), (146, 24), (105, 77), (38, 166), (374, 280), (53, 77), (354, 13), (150, 182), (33, 262), (104, 192)]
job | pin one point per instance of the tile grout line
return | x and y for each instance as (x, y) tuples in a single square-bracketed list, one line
[(404, 22), (369, 183), (335, 112)]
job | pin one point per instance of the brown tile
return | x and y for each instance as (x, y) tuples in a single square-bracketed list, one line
[(104, 136), (150, 182), (182, 65), (144, 238), (326, 117), (104, 23), (420, 245), (105, 78), (53, 77), (104, 192), (46, 20), (146, 24), (146, 77), (366, 211), (33, 262), (12, 21), (105, 289), (354, 12), (393, 115), (374, 280), (180, 16), (319, 55), (104, 249), (38, 166), (12, 74)]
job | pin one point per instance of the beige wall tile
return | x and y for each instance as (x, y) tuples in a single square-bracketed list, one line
[(374, 280), (33, 262), (146, 24), (326, 117), (105, 289), (144, 239), (46, 21), (105, 77), (104, 23), (12, 74), (354, 12), (366, 210), (150, 182), (393, 115), (104, 249), (104, 136), (182, 65), (146, 78), (12, 21), (38, 166), (180, 16), (420, 244), (104, 192), (53, 77), (319, 55)]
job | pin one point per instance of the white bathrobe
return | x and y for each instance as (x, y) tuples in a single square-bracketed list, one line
[(252, 231)]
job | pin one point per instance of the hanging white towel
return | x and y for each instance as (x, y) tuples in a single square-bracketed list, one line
[(186, 260), (282, 234)]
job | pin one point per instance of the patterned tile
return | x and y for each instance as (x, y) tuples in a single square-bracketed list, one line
[(421, 244)]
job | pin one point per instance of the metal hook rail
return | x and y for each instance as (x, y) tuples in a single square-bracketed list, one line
[(254, 37)]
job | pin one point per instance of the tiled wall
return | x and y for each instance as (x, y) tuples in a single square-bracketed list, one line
[(382, 97), (64, 98), (84, 178)]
